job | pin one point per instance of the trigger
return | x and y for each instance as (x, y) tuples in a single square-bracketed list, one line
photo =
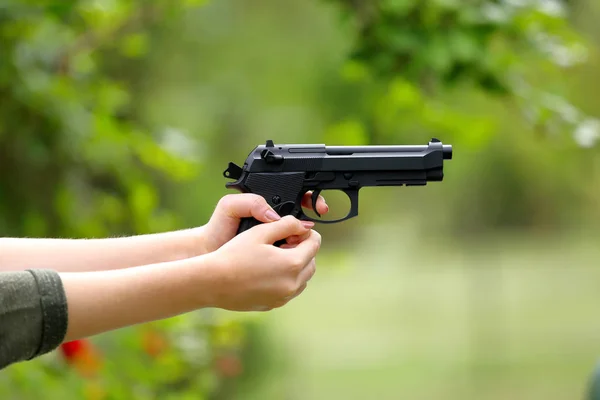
[(314, 198)]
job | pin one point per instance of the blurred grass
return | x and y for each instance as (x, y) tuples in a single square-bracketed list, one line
[(510, 319)]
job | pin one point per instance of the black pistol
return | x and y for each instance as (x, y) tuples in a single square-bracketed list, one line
[(283, 173)]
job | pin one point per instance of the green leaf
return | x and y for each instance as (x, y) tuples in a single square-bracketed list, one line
[(463, 46), (134, 45), (143, 201), (438, 54), (398, 7)]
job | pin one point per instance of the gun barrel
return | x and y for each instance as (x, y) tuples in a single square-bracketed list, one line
[(349, 150), (447, 150)]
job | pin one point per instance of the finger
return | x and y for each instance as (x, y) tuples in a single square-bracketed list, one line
[(308, 249), (282, 229), (287, 246), (298, 238), (302, 288), (243, 205), (322, 207), (307, 272), (298, 292)]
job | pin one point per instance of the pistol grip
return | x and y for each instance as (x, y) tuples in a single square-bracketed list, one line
[(247, 223), (282, 209)]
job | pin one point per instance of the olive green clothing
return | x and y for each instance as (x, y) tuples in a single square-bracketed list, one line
[(33, 314)]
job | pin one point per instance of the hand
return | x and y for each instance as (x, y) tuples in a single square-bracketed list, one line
[(225, 220), (254, 275)]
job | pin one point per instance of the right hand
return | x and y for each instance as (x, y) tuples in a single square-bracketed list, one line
[(225, 221), (254, 275)]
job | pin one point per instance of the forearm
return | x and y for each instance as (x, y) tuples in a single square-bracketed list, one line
[(41, 309), (106, 300), (77, 255)]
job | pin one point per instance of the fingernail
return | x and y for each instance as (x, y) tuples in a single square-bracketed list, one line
[(326, 208), (308, 224), (272, 215)]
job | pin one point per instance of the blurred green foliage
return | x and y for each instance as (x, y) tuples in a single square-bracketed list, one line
[(117, 117), (81, 163), (440, 42), (486, 76)]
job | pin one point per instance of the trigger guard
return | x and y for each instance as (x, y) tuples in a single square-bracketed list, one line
[(353, 212)]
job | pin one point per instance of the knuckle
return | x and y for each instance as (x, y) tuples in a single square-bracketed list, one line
[(288, 289), (317, 237), (316, 246), (226, 201), (258, 201), (297, 263), (290, 220), (312, 271)]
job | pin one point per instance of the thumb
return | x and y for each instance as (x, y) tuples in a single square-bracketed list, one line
[(282, 229), (234, 207)]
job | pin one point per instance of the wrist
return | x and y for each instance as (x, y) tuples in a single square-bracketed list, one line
[(204, 240), (186, 243), (213, 279), (196, 242)]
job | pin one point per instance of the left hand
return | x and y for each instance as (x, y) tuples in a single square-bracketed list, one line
[(224, 223)]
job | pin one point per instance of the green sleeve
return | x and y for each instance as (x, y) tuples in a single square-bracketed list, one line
[(33, 314)]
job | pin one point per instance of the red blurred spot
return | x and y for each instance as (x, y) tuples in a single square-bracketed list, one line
[(71, 349), (83, 356)]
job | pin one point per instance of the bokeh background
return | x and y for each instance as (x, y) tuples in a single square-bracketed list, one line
[(118, 117)]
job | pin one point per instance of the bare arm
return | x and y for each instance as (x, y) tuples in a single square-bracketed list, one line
[(40, 308), (81, 255), (101, 301), (249, 273), (70, 255)]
